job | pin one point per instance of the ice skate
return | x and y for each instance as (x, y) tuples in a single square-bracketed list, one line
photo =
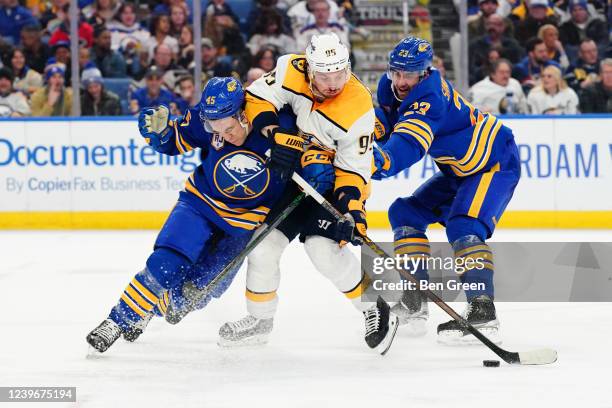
[(413, 312), (135, 331), (381, 326), (247, 331), (481, 314), (103, 336)]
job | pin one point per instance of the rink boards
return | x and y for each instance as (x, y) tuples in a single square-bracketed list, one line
[(92, 173)]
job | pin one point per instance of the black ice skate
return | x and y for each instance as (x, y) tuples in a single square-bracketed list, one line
[(412, 312), (134, 332), (103, 336), (481, 314), (381, 326)]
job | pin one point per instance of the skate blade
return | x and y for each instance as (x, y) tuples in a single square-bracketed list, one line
[(385, 344), (458, 338), (93, 354), (257, 340), (413, 327)]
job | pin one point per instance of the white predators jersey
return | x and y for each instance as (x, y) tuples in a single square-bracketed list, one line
[(343, 124)]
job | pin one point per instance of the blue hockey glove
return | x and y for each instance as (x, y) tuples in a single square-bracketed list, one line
[(317, 170), (381, 163), (154, 126)]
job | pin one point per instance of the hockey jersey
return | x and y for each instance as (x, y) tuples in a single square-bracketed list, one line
[(232, 187), (434, 118), (343, 125)]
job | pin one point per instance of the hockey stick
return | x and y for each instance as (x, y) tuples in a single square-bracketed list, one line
[(194, 295), (534, 357)]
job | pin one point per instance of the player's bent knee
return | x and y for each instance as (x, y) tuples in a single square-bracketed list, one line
[(167, 266), (407, 212), (263, 271), (336, 263)]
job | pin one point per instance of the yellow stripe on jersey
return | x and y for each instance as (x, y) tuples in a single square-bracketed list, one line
[(255, 106), (422, 141), (260, 297), (144, 291), (481, 191), (138, 298), (478, 152), (418, 129), (248, 219), (352, 103)]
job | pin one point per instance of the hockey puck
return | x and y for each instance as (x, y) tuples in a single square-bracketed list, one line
[(490, 363)]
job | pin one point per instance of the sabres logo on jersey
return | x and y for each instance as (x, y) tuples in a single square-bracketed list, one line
[(241, 175)]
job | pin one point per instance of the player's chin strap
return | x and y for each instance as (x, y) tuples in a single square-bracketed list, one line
[(534, 357)]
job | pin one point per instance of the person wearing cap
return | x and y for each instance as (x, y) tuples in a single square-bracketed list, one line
[(476, 27), (54, 99), (152, 93), (110, 63), (13, 17), (95, 100), (537, 17), (12, 103), (212, 65), (520, 9), (582, 25)]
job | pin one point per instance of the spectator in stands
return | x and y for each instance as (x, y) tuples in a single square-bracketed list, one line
[(479, 48), (499, 92), (582, 25), (187, 96), (163, 6), (62, 32), (221, 8), (586, 70), (211, 64), (61, 55), (160, 34), (25, 80), (537, 17), (476, 27), (13, 18), (266, 58), (322, 25), (178, 19), (253, 75), (552, 96), (85, 61), (438, 64), (550, 35), (12, 103), (264, 6), (95, 100), (527, 72), (162, 59), (50, 17), (152, 93), (36, 52), (54, 99), (186, 48), (597, 97), (269, 31), (127, 35), (226, 36), (100, 12), (520, 9), (109, 62), (301, 14)]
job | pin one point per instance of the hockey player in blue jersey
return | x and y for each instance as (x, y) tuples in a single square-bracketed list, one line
[(420, 113), (224, 200)]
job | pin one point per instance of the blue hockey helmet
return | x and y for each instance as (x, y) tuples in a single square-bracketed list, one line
[(411, 54), (222, 97)]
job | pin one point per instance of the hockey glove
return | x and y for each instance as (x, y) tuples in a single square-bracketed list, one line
[(318, 171), (354, 226), (154, 126), (381, 163), (285, 153)]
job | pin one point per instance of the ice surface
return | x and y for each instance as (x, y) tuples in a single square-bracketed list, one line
[(57, 286)]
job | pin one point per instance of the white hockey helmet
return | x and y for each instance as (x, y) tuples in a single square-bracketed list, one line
[(326, 53)]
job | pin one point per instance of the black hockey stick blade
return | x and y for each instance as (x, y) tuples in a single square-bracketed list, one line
[(535, 357)]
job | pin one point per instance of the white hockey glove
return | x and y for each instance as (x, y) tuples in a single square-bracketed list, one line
[(153, 125)]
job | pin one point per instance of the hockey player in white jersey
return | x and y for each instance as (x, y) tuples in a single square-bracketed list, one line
[(335, 120)]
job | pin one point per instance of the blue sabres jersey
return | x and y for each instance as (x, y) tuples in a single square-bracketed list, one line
[(435, 119), (232, 187)]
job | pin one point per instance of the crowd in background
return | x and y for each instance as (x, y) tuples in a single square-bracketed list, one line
[(525, 56), (541, 57)]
